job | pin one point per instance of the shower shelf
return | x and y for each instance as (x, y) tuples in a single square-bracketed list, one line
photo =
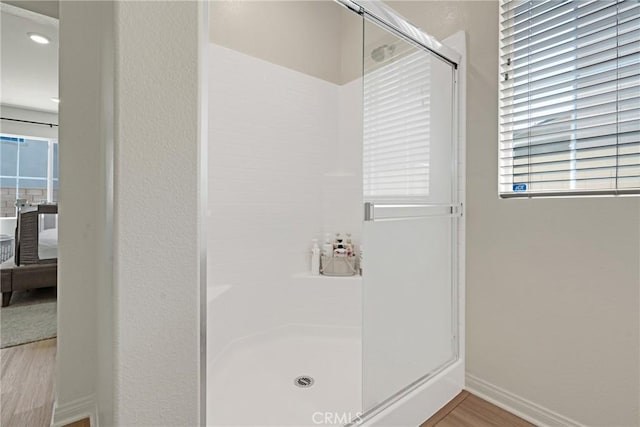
[(356, 278)]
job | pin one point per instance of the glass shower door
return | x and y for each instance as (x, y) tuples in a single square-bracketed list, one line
[(411, 209)]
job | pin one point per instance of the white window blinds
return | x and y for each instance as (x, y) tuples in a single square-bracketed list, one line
[(397, 130), (569, 97)]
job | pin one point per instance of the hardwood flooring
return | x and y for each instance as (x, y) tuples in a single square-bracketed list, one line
[(82, 423), (467, 410), (27, 392), (27, 377)]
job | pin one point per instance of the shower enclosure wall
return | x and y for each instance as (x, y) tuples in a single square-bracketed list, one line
[(329, 117)]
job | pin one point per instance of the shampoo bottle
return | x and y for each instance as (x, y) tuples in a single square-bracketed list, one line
[(327, 246), (349, 245), (315, 258)]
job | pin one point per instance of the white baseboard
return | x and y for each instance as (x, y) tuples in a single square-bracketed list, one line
[(517, 405), (85, 407)]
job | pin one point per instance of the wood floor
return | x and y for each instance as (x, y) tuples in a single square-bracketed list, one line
[(27, 377), (467, 410), (82, 423), (27, 394)]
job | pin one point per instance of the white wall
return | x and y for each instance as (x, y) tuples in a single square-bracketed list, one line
[(269, 131), (82, 207), (553, 285), (342, 204), (128, 338), (284, 161), (156, 217), (301, 35), (294, 173), (284, 167)]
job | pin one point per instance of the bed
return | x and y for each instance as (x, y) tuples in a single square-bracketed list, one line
[(35, 259)]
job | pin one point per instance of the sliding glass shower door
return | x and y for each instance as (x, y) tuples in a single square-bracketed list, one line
[(411, 214)]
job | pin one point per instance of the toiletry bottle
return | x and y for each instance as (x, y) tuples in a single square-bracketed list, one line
[(349, 245), (339, 247), (315, 258), (361, 258), (327, 246)]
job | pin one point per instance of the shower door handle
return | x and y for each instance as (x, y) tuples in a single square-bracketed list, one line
[(396, 211)]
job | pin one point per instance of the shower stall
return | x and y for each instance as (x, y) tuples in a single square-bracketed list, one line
[(332, 117)]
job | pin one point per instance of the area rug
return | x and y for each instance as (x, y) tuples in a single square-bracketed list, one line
[(30, 317)]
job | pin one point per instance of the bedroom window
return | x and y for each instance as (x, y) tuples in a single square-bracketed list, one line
[(28, 170), (569, 98)]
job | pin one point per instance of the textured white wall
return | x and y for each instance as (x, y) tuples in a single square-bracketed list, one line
[(156, 262), (553, 285), (129, 343)]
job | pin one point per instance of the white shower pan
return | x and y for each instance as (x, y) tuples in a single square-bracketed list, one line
[(254, 381), (312, 331)]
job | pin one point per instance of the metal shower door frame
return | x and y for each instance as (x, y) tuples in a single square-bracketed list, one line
[(383, 16)]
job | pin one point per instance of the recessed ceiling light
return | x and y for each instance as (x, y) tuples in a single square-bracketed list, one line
[(56, 100), (39, 38)]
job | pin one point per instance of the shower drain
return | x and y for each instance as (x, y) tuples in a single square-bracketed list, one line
[(303, 381)]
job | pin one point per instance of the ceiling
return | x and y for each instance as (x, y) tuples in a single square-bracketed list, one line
[(43, 7), (29, 71)]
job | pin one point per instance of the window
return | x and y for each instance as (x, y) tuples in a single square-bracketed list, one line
[(28, 170), (397, 129), (569, 97)]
